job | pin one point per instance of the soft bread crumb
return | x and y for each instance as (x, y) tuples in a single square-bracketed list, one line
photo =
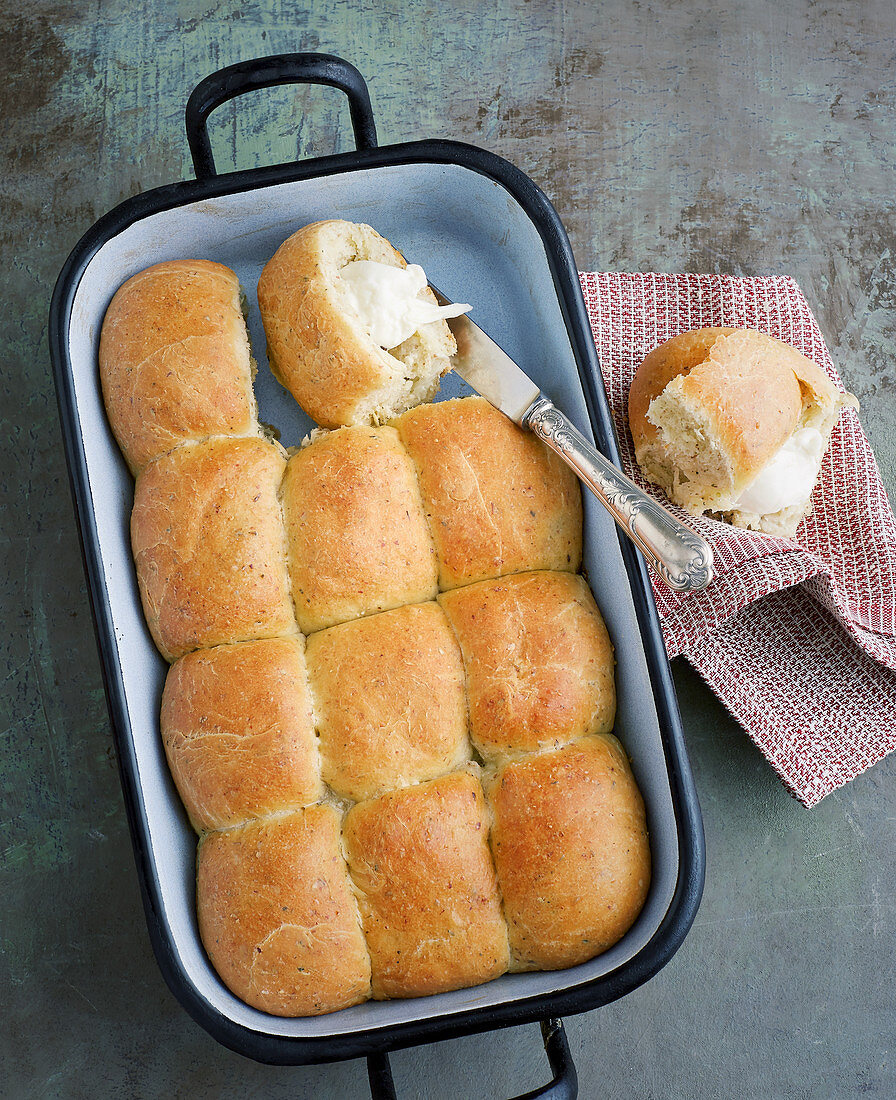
[(689, 460)]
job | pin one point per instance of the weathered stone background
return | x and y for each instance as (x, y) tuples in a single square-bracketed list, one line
[(738, 136)]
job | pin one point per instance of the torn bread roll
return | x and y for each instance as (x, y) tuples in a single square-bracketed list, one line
[(353, 331), (174, 359), (734, 423)]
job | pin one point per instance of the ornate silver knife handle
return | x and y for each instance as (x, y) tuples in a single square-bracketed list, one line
[(677, 554)]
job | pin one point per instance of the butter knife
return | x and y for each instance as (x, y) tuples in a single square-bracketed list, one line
[(677, 554)]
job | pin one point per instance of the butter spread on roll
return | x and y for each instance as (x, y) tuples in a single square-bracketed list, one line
[(734, 423), (786, 481), (386, 300)]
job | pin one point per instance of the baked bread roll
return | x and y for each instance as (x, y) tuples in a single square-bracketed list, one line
[(389, 700), (497, 499), (358, 539), (208, 543), (321, 326), (278, 917), (174, 359), (734, 423), (429, 902), (570, 845), (301, 910), (538, 661), (238, 733)]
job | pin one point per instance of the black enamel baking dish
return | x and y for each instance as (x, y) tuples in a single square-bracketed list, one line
[(485, 234)]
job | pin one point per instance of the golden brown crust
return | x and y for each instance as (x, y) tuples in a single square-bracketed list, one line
[(676, 356), (238, 733), (316, 346), (429, 902), (358, 538), (174, 359), (497, 499), (207, 537), (389, 700), (570, 846), (538, 661), (278, 917)]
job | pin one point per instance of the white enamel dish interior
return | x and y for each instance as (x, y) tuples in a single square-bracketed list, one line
[(478, 245)]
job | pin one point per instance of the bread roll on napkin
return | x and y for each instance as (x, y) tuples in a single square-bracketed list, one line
[(734, 423)]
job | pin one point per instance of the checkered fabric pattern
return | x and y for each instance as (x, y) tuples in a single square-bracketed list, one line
[(797, 637)]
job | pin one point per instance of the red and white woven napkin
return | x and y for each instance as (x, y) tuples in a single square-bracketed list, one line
[(797, 637)]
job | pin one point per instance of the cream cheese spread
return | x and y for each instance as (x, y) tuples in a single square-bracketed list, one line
[(787, 478), (385, 300)]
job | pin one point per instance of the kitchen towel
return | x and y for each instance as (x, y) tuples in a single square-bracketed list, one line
[(796, 636)]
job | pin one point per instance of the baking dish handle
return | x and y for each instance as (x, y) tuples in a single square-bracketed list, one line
[(266, 72), (563, 1086)]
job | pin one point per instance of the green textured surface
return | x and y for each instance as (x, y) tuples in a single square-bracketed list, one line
[(671, 136)]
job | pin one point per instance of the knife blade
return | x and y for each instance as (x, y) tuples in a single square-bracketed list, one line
[(677, 554)]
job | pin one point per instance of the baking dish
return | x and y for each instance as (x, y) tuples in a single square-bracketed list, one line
[(485, 234)]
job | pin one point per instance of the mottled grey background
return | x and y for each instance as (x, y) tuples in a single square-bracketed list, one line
[(748, 138)]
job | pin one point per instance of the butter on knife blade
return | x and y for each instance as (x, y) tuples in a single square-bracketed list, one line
[(676, 553)]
